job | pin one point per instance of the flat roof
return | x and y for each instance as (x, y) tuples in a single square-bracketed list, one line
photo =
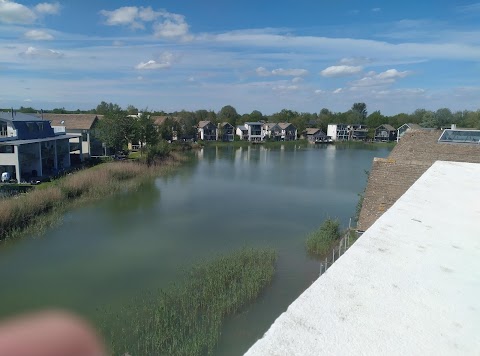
[(410, 285), (36, 140)]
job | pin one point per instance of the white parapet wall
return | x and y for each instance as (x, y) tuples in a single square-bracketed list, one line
[(409, 286)]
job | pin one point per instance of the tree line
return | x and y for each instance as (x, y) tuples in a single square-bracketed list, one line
[(117, 127)]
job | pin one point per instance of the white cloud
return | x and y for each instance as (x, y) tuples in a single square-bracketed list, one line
[(337, 91), (28, 100), (165, 61), (173, 27), (33, 52), (48, 8), (151, 64), (297, 80), (118, 43), (263, 72), (372, 79), (355, 61), (126, 16), (319, 91), (340, 71), (12, 12), (376, 9), (38, 35), (165, 24)]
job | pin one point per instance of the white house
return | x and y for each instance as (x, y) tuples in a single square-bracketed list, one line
[(30, 148), (338, 132), (256, 131)]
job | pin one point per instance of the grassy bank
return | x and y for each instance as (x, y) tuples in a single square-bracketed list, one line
[(43, 206), (321, 241), (186, 319)]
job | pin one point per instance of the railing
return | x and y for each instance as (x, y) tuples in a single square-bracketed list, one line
[(343, 245)]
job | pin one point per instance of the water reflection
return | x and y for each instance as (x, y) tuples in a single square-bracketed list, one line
[(225, 199)]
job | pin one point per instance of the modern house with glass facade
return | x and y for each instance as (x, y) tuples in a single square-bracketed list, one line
[(31, 148)]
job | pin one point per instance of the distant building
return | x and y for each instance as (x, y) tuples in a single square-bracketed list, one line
[(405, 127), (385, 133), (338, 132), (31, 148), (207, 131), (314, 135), (251, 131), (226, 132), (82, 124), (344, 132)]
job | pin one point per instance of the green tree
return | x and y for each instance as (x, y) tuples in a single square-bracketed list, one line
[(104, 108), (375, 119), (361, 109), (132, 110), (146, 131), (228, 114), (256, 116), (116, 129)]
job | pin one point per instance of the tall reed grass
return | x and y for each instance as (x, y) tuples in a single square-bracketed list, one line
[(321, 241), (22, 211), (186, 319)]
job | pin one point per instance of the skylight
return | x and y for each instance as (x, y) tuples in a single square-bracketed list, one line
[(460, 136)]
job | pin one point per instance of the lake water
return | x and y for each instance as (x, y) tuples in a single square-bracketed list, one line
[(225, 199)]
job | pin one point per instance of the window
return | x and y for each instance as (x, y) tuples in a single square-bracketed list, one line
[(6, 149), (460, 136)]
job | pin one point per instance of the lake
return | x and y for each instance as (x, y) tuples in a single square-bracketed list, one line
[(106, 253)]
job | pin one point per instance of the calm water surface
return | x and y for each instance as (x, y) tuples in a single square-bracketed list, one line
[(106, 253)]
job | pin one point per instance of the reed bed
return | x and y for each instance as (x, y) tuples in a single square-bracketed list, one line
[(321, 241), (186, 319), (20, 212)]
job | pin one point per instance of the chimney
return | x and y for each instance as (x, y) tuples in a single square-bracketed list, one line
[(454, 127)]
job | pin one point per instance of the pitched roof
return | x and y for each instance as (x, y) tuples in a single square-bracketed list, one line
[(387, 126), (413, 126), (203, 123), (223, 124), (72, 121), (284, 125), (312, 131), (160, 120), (411, 157)]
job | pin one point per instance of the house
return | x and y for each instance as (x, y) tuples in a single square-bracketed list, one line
[(82, 124), (385, 133), (289, 132), (358, 132), (251, 131), (256, 133), (226, 132), (344, 132), (338, 132), (207, 131), (31, 148), (242, 132), (405, 127), (314, 135), (272, 130)]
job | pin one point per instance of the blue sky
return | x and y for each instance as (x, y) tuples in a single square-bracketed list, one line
[(254, 55)]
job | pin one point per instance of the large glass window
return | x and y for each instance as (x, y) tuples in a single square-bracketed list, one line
[(460, 136)]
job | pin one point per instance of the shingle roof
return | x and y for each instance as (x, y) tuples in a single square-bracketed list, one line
[(312, 131), (411, 157), (203, 123), (284, 125), (72, 121), (387, 126)]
